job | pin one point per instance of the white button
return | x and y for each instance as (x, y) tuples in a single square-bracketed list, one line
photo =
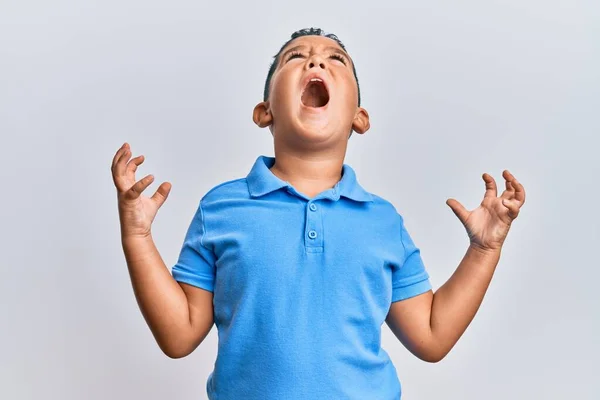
[(313, 207), (312, 234)]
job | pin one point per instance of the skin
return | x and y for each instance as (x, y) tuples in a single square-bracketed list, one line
[(179, 316), (310, 147), (429, 325)]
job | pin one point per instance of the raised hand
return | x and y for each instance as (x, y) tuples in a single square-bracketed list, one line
[(136, 212), (488, 224)]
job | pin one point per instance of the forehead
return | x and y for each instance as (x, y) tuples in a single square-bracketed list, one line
[(313, 41)]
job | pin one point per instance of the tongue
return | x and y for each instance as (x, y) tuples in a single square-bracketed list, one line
[(315, 95)]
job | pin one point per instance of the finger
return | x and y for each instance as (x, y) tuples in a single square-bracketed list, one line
[(119, 169), (137, 189), (513, 207), (519, 189), (161, 194), (118, 154), (509, 192), (459, 210), (133, 164), (490, 185)]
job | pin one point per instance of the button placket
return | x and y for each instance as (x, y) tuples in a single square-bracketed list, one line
[(313, 235)]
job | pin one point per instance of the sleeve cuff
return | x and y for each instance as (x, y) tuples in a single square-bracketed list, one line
[(415, 289), (203, 282)]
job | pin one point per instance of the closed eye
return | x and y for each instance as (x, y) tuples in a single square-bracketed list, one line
[(334, 56), (338, 57), (293, 55)]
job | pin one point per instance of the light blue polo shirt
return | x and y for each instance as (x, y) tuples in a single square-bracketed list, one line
[(301, 287)]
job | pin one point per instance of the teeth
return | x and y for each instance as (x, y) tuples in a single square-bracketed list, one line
[(312, 80)]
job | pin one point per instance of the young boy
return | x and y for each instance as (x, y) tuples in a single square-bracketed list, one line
[(297, 264)]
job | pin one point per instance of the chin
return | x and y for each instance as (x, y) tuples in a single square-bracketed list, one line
[(314, 123), (318, 131)]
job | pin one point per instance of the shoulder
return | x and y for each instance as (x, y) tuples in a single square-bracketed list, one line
[(230, 190), (220, 201), (385, 207)]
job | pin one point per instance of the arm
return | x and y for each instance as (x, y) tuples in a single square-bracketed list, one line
[(429, 325), (179, 316)]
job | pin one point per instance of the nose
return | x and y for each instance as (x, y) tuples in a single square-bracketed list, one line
[(315, 60)]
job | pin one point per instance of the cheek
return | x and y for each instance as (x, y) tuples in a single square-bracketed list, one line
[(350, 93), (281, 100), (282, 88)]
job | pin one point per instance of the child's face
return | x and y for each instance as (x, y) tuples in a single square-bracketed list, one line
[(327, 110)]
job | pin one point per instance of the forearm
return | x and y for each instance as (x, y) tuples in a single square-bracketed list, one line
[(161, 300), (456, 302)]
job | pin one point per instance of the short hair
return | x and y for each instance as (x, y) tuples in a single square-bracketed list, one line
[(297, 34)]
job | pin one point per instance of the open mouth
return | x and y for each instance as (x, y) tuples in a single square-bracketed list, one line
[(315, 94)]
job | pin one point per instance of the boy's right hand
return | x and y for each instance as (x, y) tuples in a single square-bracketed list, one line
[(136, 212)]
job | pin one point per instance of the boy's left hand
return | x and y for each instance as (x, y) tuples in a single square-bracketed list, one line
[(488, 225)]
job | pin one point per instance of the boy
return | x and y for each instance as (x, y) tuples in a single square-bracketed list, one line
[(297, 264)]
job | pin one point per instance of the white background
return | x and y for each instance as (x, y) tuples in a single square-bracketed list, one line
[(454, 89)]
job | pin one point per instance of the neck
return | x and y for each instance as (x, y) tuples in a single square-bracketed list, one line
[(309, 173)]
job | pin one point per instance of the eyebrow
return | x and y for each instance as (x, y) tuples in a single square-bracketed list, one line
[(330, 48)]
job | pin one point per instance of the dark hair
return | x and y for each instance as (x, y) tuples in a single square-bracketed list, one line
[(304, 32)]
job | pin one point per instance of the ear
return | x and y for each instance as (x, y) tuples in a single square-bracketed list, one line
[(361, 124), (262, 114)]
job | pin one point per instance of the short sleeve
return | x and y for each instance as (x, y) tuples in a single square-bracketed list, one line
[(196, 263), (411, 278)]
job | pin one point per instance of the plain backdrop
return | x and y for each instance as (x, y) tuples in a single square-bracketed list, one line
[(454, 89)]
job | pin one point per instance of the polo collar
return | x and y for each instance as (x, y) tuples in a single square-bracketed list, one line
[(262, 181)]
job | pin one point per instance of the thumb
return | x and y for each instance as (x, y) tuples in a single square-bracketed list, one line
[(161, 194), (459, 210)]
